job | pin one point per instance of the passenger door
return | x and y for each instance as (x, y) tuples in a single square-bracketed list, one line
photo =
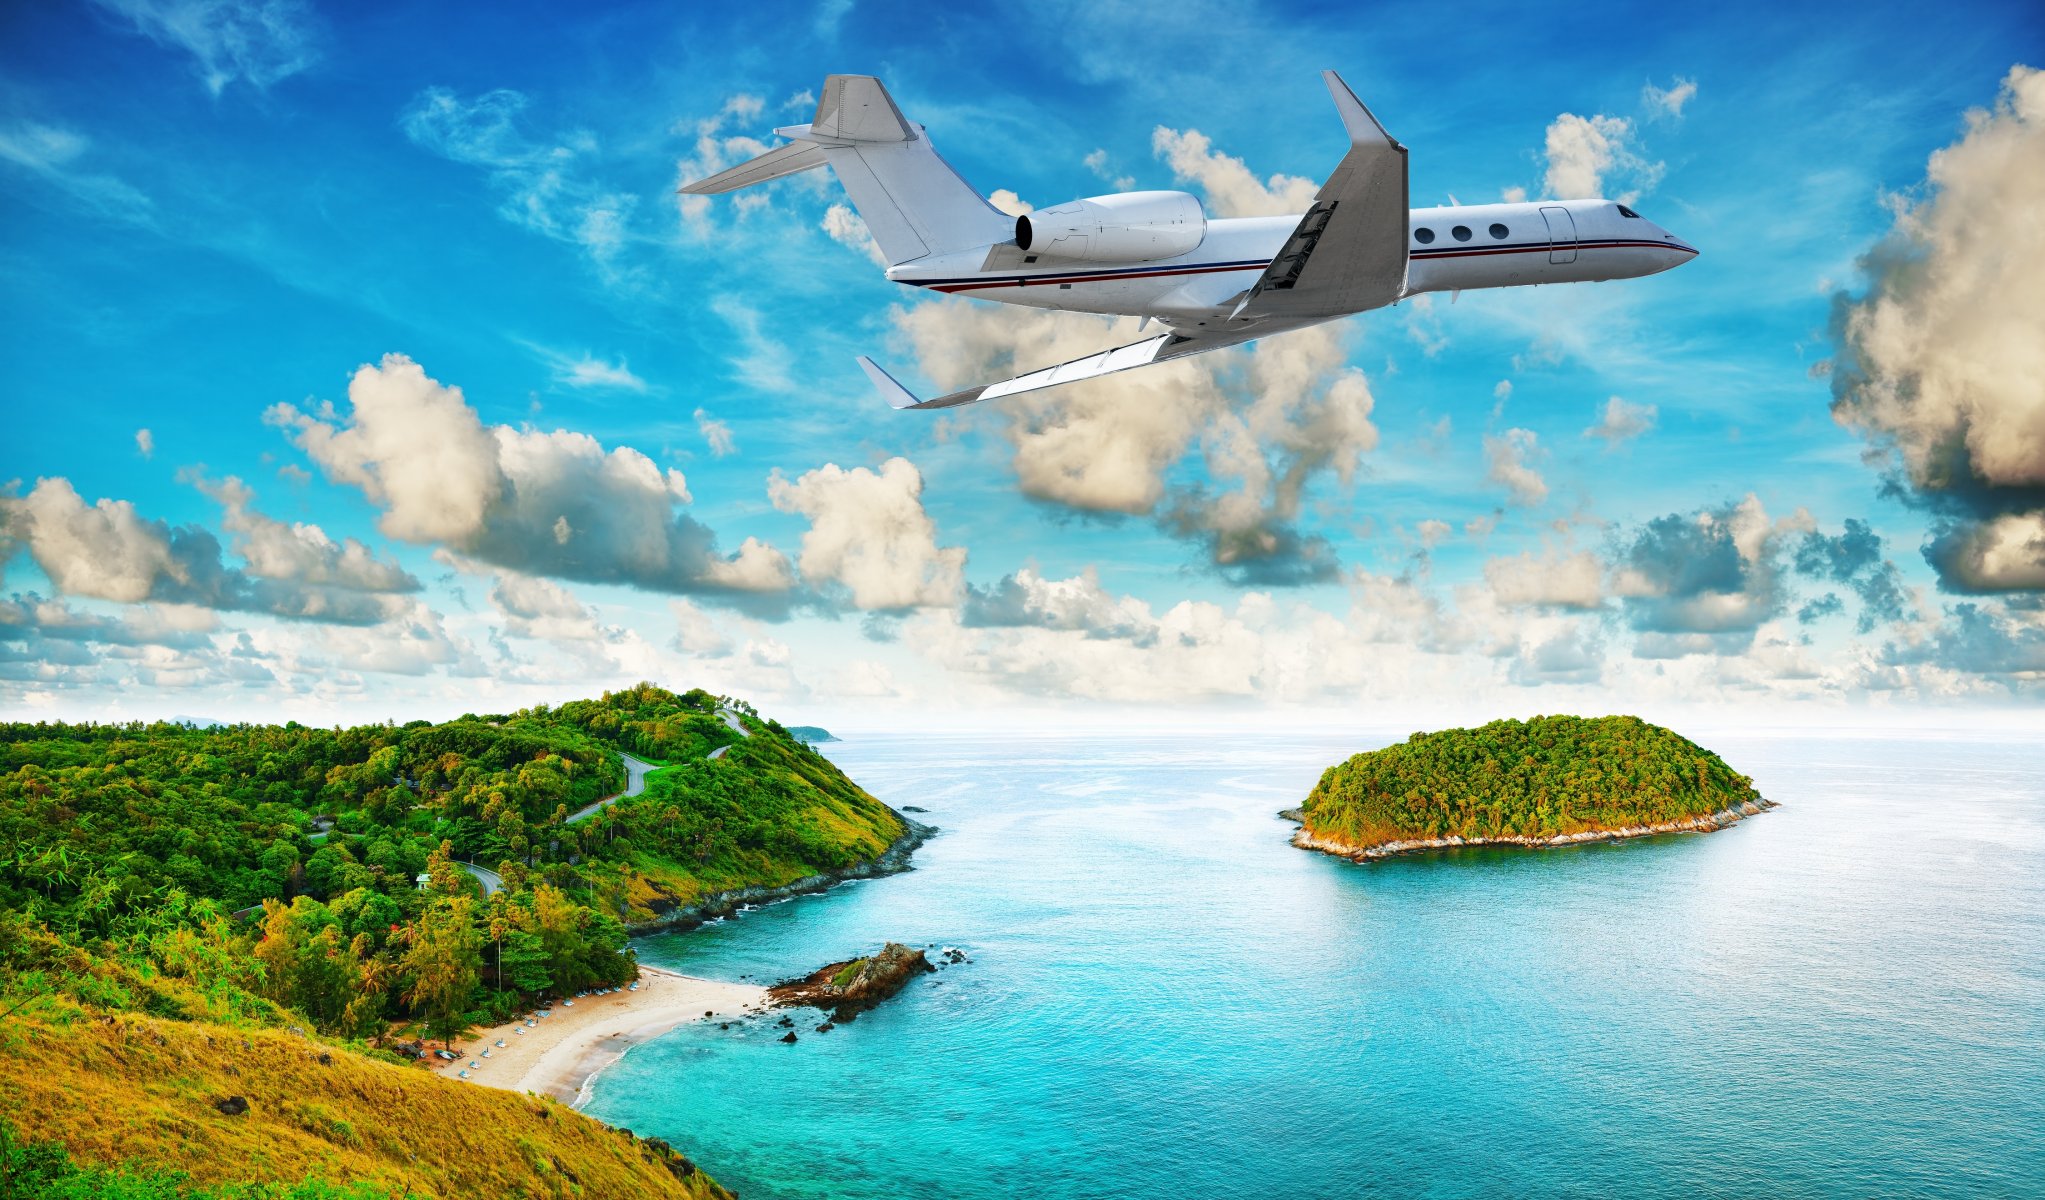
[(1561, 235)]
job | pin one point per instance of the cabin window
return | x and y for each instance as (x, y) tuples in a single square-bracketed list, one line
[(1499, 232), (1461, 232), (1626, 212), (1423, 236)]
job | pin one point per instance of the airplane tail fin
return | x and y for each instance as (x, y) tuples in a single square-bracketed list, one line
[(913, 203)]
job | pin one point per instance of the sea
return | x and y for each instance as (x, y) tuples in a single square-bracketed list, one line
[(1163, 998)]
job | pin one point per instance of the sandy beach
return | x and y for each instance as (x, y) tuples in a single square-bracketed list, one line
[(559, 1053)]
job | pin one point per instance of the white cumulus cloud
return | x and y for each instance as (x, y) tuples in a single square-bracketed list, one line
[(1942, 362), (1621, 420), (545, 503), (868, 531), (1232, 189), (1510, 460)]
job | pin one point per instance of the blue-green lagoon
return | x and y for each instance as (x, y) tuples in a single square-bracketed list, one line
[(1843, 997)]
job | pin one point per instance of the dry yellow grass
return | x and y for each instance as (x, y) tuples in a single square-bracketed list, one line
[(133, 1089)]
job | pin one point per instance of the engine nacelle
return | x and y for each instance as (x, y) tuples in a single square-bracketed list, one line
[(1123, 228)]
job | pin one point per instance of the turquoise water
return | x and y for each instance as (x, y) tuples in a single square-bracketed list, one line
[(1845, 997)]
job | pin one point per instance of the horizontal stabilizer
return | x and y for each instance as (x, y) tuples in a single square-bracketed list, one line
[(781, 160)]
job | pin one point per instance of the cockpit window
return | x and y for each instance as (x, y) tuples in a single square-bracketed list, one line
[(1626, 212), (1423, 236)]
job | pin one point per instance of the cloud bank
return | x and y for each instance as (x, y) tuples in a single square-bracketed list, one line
[(543, 503), (1941, 364)]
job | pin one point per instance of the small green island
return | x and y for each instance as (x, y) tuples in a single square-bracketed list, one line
[(1549, 781)]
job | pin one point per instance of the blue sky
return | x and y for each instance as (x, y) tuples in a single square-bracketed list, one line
[(214, 208)]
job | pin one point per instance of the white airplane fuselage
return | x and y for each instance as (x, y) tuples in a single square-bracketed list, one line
[(1212, 283), (1449, 249)]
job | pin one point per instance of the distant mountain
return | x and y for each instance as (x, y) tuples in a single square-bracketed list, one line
[(810, 734)]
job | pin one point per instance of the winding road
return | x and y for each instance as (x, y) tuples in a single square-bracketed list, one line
[(635, 783), (490, 880), (636, 771)]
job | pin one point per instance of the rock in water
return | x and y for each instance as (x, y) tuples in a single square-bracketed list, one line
[(855, 984)]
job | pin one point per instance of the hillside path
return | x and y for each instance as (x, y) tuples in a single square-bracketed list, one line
[(635, 783), (635, 773)]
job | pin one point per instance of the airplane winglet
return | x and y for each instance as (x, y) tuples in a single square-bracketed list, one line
[(894, 393), (1362, 126)]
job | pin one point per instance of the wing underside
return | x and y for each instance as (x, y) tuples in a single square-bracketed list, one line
[(1165, 347)]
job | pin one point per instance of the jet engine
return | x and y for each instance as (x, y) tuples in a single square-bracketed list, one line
[(1123, 228)]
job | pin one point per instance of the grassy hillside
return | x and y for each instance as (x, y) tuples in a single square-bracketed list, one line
[(144, 1091), (162, 885), (1541, 778), (143, 1067), (769, 811)]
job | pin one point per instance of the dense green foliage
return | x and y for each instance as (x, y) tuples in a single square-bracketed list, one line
[(319, 870), (1538, 778), (165, 888)]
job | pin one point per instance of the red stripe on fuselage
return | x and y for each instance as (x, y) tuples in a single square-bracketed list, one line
[(1021, 281), (1543, 248)]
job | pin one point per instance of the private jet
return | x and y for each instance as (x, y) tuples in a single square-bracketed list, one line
[(1209, 282)]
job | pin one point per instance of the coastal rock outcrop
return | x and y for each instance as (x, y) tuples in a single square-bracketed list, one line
[(850, 987)]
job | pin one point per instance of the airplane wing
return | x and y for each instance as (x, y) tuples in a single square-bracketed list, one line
[(1348, 253), (1162, 348)]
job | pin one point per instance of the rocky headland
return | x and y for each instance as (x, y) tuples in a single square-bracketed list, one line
[(892, 861), (846, 989)]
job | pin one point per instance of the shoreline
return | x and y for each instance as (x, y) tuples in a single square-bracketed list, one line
[(1709, 823), (560, 1054), (892, 861), (564, 1052)]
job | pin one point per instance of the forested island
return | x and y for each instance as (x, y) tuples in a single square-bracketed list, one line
[(223, 949), (1549, 781)]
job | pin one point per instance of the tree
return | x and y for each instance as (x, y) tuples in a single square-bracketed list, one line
[(442, 963), (446, 879), (308, 963)]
